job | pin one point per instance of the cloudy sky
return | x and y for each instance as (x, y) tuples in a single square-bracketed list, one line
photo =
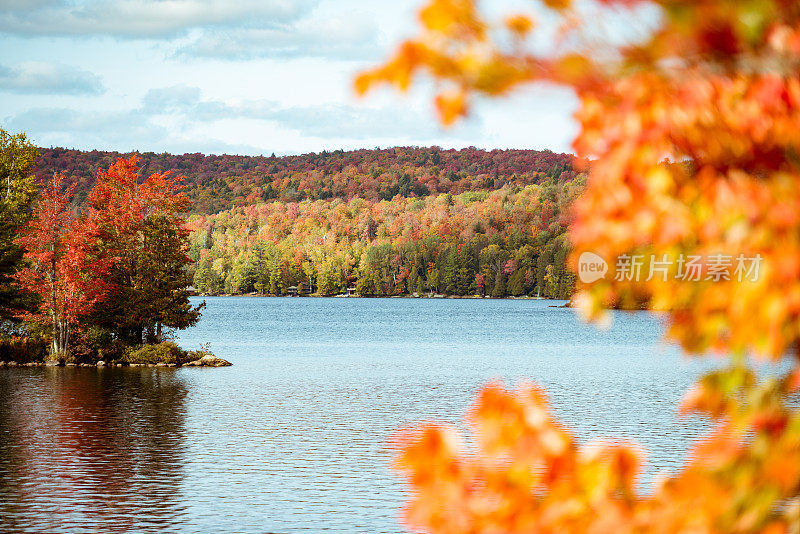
[(237, 77)]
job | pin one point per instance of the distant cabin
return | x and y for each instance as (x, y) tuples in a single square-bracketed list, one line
[(351, 291), (292, 291), (191, 291)]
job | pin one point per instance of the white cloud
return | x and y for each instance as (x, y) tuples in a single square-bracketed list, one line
[(103, 128), (48, 79), (143, 18), (205, 29), (26, 5), (178, 118), (170, 98), (336, 37)]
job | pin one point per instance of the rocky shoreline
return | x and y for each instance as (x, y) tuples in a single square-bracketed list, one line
[(205, 361)]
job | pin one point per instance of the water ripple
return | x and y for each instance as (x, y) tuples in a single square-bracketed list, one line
[(293, 437)]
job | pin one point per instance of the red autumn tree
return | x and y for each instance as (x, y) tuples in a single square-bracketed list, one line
[(65, 267), (142, 228)]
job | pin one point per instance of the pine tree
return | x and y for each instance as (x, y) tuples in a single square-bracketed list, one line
[(450, 272), (516, 283), (499, 285), (162, 278), (203, 275)]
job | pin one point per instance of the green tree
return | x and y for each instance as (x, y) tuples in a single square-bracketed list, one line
[(330, 279), (450, 271), (260, 256), (433, 280), (276, 282), (420, 289), (17, 193), (492, 259), (206, 278), (551, 282), (162, 278), (376, 272), (244, 274), (413, 280), (516, 283), (499, 285), (545, 260)]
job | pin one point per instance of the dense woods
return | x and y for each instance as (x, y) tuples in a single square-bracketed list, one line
[(382, 222), (217, 183), (510, 241), (18, 190)]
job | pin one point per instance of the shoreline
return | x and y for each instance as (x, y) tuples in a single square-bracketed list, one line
[(432, 297), (207, 362), (95, 365)]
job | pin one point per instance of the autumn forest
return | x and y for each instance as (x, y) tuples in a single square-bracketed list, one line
[(382, 222)]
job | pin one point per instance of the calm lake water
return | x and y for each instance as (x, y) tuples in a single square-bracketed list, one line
[(292, 438)]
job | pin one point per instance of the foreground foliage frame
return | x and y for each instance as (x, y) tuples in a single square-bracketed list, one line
[(692, 129)]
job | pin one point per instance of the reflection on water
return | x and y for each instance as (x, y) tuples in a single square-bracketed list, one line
[(88, 450), (292, 438)]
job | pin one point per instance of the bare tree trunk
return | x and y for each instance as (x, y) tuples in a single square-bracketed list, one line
[(56, 339), (60, 335)]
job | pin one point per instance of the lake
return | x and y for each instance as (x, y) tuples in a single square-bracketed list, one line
[(292, 437)]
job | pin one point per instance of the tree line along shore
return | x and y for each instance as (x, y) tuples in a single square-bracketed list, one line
[(506, 242)]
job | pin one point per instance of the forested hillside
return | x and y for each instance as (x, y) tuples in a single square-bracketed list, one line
[(505, 242), (385, 222), (217, 183)]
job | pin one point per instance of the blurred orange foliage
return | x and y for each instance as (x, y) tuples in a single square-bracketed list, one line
[(527, 474), (692, 130)]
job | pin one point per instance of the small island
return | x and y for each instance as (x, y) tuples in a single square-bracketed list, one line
[(101, 281)]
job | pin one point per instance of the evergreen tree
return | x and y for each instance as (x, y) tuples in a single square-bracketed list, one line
[(276, 282), (545, 260), (413, 280), (261, 267), (516, 283), (202, 275), (450, 272), (329, 279), (499, 285), (162, 278)]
